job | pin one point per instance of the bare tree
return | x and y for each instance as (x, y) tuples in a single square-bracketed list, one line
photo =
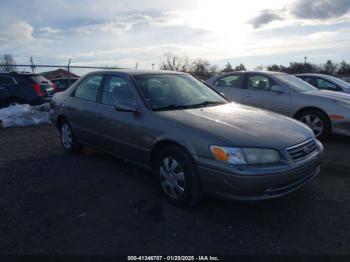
[(7, 63), (175, 63)]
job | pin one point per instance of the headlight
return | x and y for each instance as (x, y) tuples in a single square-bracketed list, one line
[(234, 155), (344, 103)]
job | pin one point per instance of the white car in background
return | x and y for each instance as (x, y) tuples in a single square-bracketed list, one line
[(323, 111)]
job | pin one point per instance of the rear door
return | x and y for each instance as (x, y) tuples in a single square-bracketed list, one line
[(230, 86), (80, 108), (258, 93), (119, 132)]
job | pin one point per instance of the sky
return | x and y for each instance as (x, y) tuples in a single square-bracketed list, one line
[(124, 32)]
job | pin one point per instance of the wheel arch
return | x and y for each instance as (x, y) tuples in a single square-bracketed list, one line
[(303, 109), (59, 119), (161, 144)]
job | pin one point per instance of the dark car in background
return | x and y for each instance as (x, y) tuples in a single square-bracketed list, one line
[(326, 82), (24, 88), (62, 84)]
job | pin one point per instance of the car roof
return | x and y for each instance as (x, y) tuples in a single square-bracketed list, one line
[(135, 72), (310, 74), (244, 72)]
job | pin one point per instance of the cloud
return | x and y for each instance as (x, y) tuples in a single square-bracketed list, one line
[(265, 17), (49, 30), (320, 9), (304, 11), (20, 31)]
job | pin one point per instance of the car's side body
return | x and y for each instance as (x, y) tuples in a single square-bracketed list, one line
[(285, 100), (23, 88), (139, 135), (325, 82)]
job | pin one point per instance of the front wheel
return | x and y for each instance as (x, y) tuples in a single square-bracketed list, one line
[(317, 121), (178, 178), (68, 140)]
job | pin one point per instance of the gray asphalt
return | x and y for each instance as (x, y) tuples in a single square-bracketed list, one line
[(54, 203)]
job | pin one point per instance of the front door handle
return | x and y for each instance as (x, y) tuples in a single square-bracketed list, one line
[(248, 95), (99, 117)]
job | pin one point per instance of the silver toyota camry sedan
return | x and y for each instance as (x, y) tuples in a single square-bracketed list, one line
[(194, 140), (323, 111)]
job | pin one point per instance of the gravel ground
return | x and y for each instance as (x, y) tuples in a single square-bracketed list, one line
[(54, 203)]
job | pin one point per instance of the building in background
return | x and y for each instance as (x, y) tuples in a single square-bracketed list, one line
[(59, 73)]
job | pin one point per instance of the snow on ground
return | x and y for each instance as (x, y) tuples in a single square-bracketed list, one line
[(23, 115)]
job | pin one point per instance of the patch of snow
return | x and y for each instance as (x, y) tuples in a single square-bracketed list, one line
[(23, 115)]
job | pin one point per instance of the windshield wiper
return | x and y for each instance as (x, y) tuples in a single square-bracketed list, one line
[(207, 103), (171, 107)]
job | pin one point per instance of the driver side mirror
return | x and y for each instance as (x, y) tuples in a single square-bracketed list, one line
[(126, 107), (277, 89)]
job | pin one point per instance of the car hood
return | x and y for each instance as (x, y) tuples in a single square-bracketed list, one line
[(329, 94), (241, 125)]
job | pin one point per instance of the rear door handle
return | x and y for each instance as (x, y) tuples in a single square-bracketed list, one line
[(99, 117), (248, 95)]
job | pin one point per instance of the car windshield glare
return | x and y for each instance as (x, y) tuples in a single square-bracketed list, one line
[(295, 83), (338, 81), (172, 91)]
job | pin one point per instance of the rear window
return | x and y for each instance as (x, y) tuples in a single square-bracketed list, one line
[(6, 80)]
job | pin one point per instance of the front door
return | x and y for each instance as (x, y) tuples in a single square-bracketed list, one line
[(119, 132)]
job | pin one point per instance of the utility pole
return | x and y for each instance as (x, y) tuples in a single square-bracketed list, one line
[(137, 64), (32, 66), (68, 68), (305, 59), (152, 66)]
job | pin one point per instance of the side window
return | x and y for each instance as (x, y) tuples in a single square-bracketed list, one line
[(258, 83), (116, 89), (323, 84), (229, 81), (311, 81), (5, 80), (88, 89)]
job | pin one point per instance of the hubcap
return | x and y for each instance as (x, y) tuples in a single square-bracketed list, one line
[(172, 178), (314, 122), (66, 136)]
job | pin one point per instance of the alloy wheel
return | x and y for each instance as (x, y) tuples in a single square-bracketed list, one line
[(66, 136), (172, 178), (314, 122)]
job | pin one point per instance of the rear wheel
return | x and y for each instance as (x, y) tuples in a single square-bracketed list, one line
[(317, 121), (178, 178), (68, 140)]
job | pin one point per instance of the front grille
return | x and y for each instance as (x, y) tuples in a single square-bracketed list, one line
[(301, 151)]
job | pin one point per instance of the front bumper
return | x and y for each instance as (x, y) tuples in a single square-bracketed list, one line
[(268, 183), (341, 127)]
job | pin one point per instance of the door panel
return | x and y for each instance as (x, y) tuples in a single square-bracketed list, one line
[(119, 132), (230, 86), (81, 109), (257, 93)]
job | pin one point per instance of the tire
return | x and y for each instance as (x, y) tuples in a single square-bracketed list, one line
[(184, 190), (68, 139), (317, 121)]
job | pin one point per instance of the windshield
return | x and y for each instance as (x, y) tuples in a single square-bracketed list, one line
[(338, 81), (170, 92), (295, 83)]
